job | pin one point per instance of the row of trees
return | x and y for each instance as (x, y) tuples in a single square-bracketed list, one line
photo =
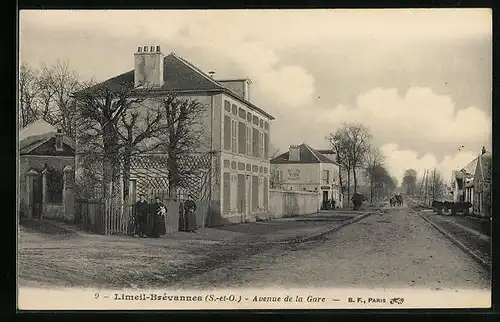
[(428, 186), (352, 144), (111, 123), (45, 93)]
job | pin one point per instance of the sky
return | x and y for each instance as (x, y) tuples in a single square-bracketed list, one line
[(420, 80)]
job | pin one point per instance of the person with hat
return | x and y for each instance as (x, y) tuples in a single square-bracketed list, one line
[(189, 209), (141, 216)]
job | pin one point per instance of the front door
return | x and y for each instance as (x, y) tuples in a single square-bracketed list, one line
[(325, 199)]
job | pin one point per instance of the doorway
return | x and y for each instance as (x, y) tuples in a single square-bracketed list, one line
[(325, 200)]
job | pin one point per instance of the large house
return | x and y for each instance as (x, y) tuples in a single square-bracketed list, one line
[(472, 184), (461, 183), (46, 158), (303, 168), (236, 130)]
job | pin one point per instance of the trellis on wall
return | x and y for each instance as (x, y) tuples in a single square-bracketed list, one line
[(151, 175)]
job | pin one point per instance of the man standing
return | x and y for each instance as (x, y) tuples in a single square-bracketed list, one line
[(141, 215), (158, 218)]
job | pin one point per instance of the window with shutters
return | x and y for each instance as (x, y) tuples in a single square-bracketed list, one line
[(255, 142), (226, 193), (242, 137), (326, 177), (266, 146), (249, 140), (261, 145), (234, 136), (227, 133)]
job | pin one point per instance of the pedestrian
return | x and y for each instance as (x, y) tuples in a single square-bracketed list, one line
[(333, 204), (158, 218), (189, 209), (182, 217), (141, 216)]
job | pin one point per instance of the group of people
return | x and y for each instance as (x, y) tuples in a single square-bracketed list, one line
[(397, 200), (150, 219)]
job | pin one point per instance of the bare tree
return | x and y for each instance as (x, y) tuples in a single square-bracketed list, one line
[(184, 120), (59, 82), (437, 185), (100, 108), (374, 158), (28, 92), (339, 144), (273, 151), (358, 145), (45, 93), (410, 181)]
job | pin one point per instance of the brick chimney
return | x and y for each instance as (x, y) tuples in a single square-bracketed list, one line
[(59, 141), (294, 153), (148, 67)]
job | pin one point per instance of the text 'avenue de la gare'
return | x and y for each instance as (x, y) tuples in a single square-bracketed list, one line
[(216, 298)]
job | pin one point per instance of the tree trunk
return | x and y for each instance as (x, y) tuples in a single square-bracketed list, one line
[(355, 180), (341, 184), (126, 173), (371, 186), (348, 187)]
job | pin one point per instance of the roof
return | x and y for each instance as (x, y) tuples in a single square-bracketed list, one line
[(37, 128), (471, 167), (37, 133), (485, 165), (306, 155), (179, 76)]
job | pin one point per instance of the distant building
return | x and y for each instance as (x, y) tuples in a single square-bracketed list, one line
[(303, 168), (461, 182), (44, 156), (482, 185)]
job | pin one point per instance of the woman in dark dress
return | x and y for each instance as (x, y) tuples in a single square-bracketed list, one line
[(141, 216), (189, 209), (182, 217), (158, 214)]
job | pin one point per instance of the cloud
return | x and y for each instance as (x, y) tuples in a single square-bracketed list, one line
[(398, 160), (254, 43), (419, 115), (289, 84)]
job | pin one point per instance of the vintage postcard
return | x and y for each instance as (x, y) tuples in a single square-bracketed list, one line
[(254, 159)]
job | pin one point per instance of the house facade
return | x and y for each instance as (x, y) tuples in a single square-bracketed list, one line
[(236, 131), (462, 188), (46, 167), (482, 186), (303, 168)]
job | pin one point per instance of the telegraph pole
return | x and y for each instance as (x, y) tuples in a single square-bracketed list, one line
[(425, 189)]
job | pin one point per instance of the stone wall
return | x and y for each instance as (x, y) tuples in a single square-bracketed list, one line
[(292, 203)]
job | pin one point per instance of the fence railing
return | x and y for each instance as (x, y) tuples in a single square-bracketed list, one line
[(108, 217)]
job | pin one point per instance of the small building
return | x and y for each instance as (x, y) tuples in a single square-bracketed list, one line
[(482, 185), (46, 165), (303, 168)]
